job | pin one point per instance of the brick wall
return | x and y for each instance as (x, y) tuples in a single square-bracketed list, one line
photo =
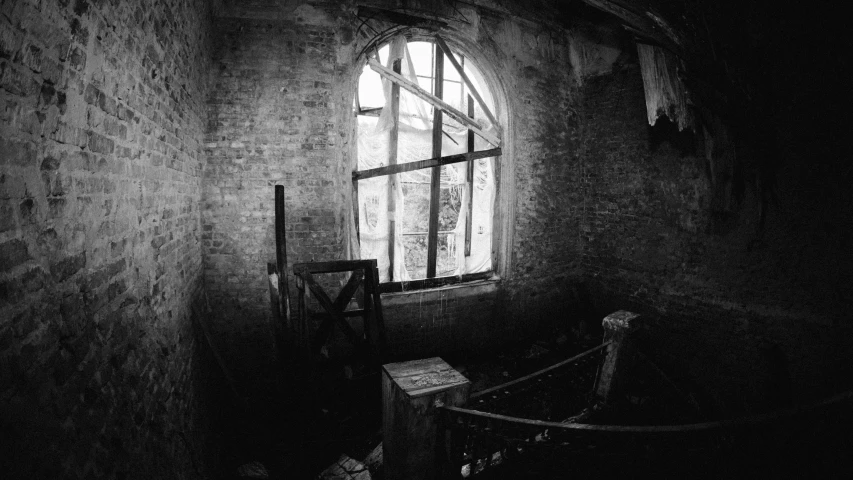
[(273, 120), (280, 113), (101, 119), (720, 297)]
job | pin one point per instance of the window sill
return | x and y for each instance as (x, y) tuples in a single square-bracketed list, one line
[(400, 289)]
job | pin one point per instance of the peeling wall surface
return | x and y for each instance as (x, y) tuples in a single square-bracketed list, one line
[(721, 289), (102, 108), (140, 143)]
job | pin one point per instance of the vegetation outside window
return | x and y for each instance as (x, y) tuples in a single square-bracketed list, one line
[(431, 222)]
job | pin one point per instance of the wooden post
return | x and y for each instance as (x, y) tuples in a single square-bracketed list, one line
[(281, 257), (411, 392), (393, 138), (618, 327)]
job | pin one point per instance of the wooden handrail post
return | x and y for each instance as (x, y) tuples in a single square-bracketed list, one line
[(618, 328), (412, 393)]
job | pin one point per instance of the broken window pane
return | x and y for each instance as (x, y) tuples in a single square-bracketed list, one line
[(405, 198)]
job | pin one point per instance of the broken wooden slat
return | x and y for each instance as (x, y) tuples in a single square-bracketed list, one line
[(440, 42), (665, 92), (433, 100), (374, 327), (421, 164), (348, 291), (328, 306)]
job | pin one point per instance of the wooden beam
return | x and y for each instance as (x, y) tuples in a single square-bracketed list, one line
[(435, 184), (399, 18), (421, 164), (640, 23), (440, 42), (433, 100)]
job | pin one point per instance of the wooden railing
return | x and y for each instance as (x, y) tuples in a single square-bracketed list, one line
[(553, 424), (478, 441)]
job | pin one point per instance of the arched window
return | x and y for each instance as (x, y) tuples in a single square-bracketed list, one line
[(426, 182)]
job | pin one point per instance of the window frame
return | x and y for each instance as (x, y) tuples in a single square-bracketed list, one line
[(432, 280)]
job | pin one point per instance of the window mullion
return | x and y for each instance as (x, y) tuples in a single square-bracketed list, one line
[(435, 187), (470, 180), (392, 179)]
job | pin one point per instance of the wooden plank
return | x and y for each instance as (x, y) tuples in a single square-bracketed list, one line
[(374, 326), (328, 306), (424, 377), (433, 100), (281, 256), (333, 266), (348, 291), (421, 164), (435, 184), (440, 42), (355, 209), (394, 287), (272, 283), (392, 160)]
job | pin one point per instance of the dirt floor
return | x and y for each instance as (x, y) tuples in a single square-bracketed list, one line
[(292, 434)]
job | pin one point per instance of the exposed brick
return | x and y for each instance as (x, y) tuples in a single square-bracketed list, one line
[(28, 211), (64, 269), (18, 81), (10, 40), (12, 254), (100, 144), (58, 124), (18, 152), (32, 57), (91, 95)]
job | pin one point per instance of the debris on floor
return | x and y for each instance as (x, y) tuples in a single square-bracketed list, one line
[(253, 470), (345, 468)]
